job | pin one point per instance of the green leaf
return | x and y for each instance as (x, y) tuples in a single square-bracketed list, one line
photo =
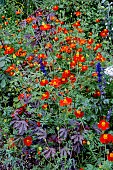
[(2, 58), (3, 83), (2, 63)]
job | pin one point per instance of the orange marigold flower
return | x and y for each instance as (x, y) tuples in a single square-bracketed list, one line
[(66, 73), (42, 56), (8, 50), (84, 68), (27, 141), (79, 114), (30, 58), (94, 74), (55, 8), (22, 95), (18, 12), (97, 20), (104, 33), (72, 78), (73, 64), (44, 106), (20, 53), (64, 80), (105, 138), (34, 26), (30, 19), (10, 68), (90, 41), (103, 125), (77, 13), (45, 27), (80, 30), (45, 95), (66, 101), (110, 156), (56, 82), (58, 56), (76, 24), (44, 82)]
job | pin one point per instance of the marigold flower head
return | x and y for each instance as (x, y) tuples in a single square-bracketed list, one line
[(45, 95), (110, 156), (45, 27), (66, 73), (79, 114), (44, 82), (27, 141), (103, 125), (66, 101), (8, 50), (56, 82), (106, 138), (77, 13)]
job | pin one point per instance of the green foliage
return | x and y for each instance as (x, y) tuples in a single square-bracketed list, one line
[(61, 115)]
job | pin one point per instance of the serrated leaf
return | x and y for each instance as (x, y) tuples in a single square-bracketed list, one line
[(20, 126), (41, 133), (50, 152), (62, 133)]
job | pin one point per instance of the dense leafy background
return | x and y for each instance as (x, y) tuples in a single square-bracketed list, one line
[(60, 140)]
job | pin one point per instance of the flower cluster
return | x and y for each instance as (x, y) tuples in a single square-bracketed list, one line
[(57, 96)]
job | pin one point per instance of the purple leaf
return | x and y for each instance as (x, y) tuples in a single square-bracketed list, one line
[(41, 133), (49, 152), (63, 133), (77, 138), (64, 152), (20, 126)]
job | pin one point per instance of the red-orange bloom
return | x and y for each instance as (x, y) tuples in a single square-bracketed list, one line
[(56, 82), (72, 78), (20, 53), (94, 74), (77, 13), (100, 57), (44, 82), (66, 73), (58, 56), (103, 125), (45, 27), (66, 101), (34, 26), (110, 156), (8, 50), (42, 56), (44, 106), (79, 114), (10, 68), (30, 58), (84, 68), (76, 24), (45, 95), (73, 64), (106, 138), (104, 33), (22, 95), (18, 12), (27, 141), (55, 8), (90, 41), (64, 80)]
